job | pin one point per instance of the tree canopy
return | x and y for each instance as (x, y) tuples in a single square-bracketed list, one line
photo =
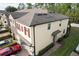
[(29, 5), (21, 6), (69, 9), (10, 9)]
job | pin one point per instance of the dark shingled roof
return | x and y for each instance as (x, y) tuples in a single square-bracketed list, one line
[(44, 18), (38, 16), (16, 15), (36, 19), (4, 12)]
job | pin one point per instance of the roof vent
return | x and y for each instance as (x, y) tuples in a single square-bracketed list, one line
[(42, 14), (39, 14)]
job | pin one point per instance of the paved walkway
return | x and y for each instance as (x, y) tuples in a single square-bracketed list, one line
[(74, 54), (57, 45), (74, 25)]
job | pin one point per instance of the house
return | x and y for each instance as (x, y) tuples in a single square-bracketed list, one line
[(35, 29), (4, 18)]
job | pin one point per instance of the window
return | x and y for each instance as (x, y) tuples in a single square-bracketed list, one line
[(21, 28), (29, 32), (49, 26), (25, 30), (64, 31), (60, 24), (5, 21)]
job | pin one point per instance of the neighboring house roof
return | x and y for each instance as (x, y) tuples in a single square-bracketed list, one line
[(4, 12), (39, 16), (16, 15)]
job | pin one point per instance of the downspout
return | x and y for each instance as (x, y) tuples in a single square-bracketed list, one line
[(34, 40)]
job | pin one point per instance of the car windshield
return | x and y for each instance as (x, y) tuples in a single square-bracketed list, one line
[(8, 41), (2, 42)]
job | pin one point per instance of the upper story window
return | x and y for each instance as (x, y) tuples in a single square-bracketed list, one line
[(49, 26), (60, 23), (64, 31)]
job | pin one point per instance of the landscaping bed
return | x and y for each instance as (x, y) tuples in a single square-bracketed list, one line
[(69, 44)]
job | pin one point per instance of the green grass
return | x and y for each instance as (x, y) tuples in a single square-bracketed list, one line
[(69, 45)]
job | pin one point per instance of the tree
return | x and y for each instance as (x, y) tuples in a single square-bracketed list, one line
[(39, 5), (21, 6), (62, 8), (69, 9), (10, 9), (29, 5), (51, 7)]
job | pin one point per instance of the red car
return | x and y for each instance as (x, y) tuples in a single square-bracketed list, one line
[(16, 48), (10, 50)]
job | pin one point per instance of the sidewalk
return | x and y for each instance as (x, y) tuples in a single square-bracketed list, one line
[(57, 45), (74, 54), (74, 25)]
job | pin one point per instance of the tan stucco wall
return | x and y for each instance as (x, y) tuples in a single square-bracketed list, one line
[(43, 36)]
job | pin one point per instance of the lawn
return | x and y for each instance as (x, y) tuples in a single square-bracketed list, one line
[(69, 45)]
